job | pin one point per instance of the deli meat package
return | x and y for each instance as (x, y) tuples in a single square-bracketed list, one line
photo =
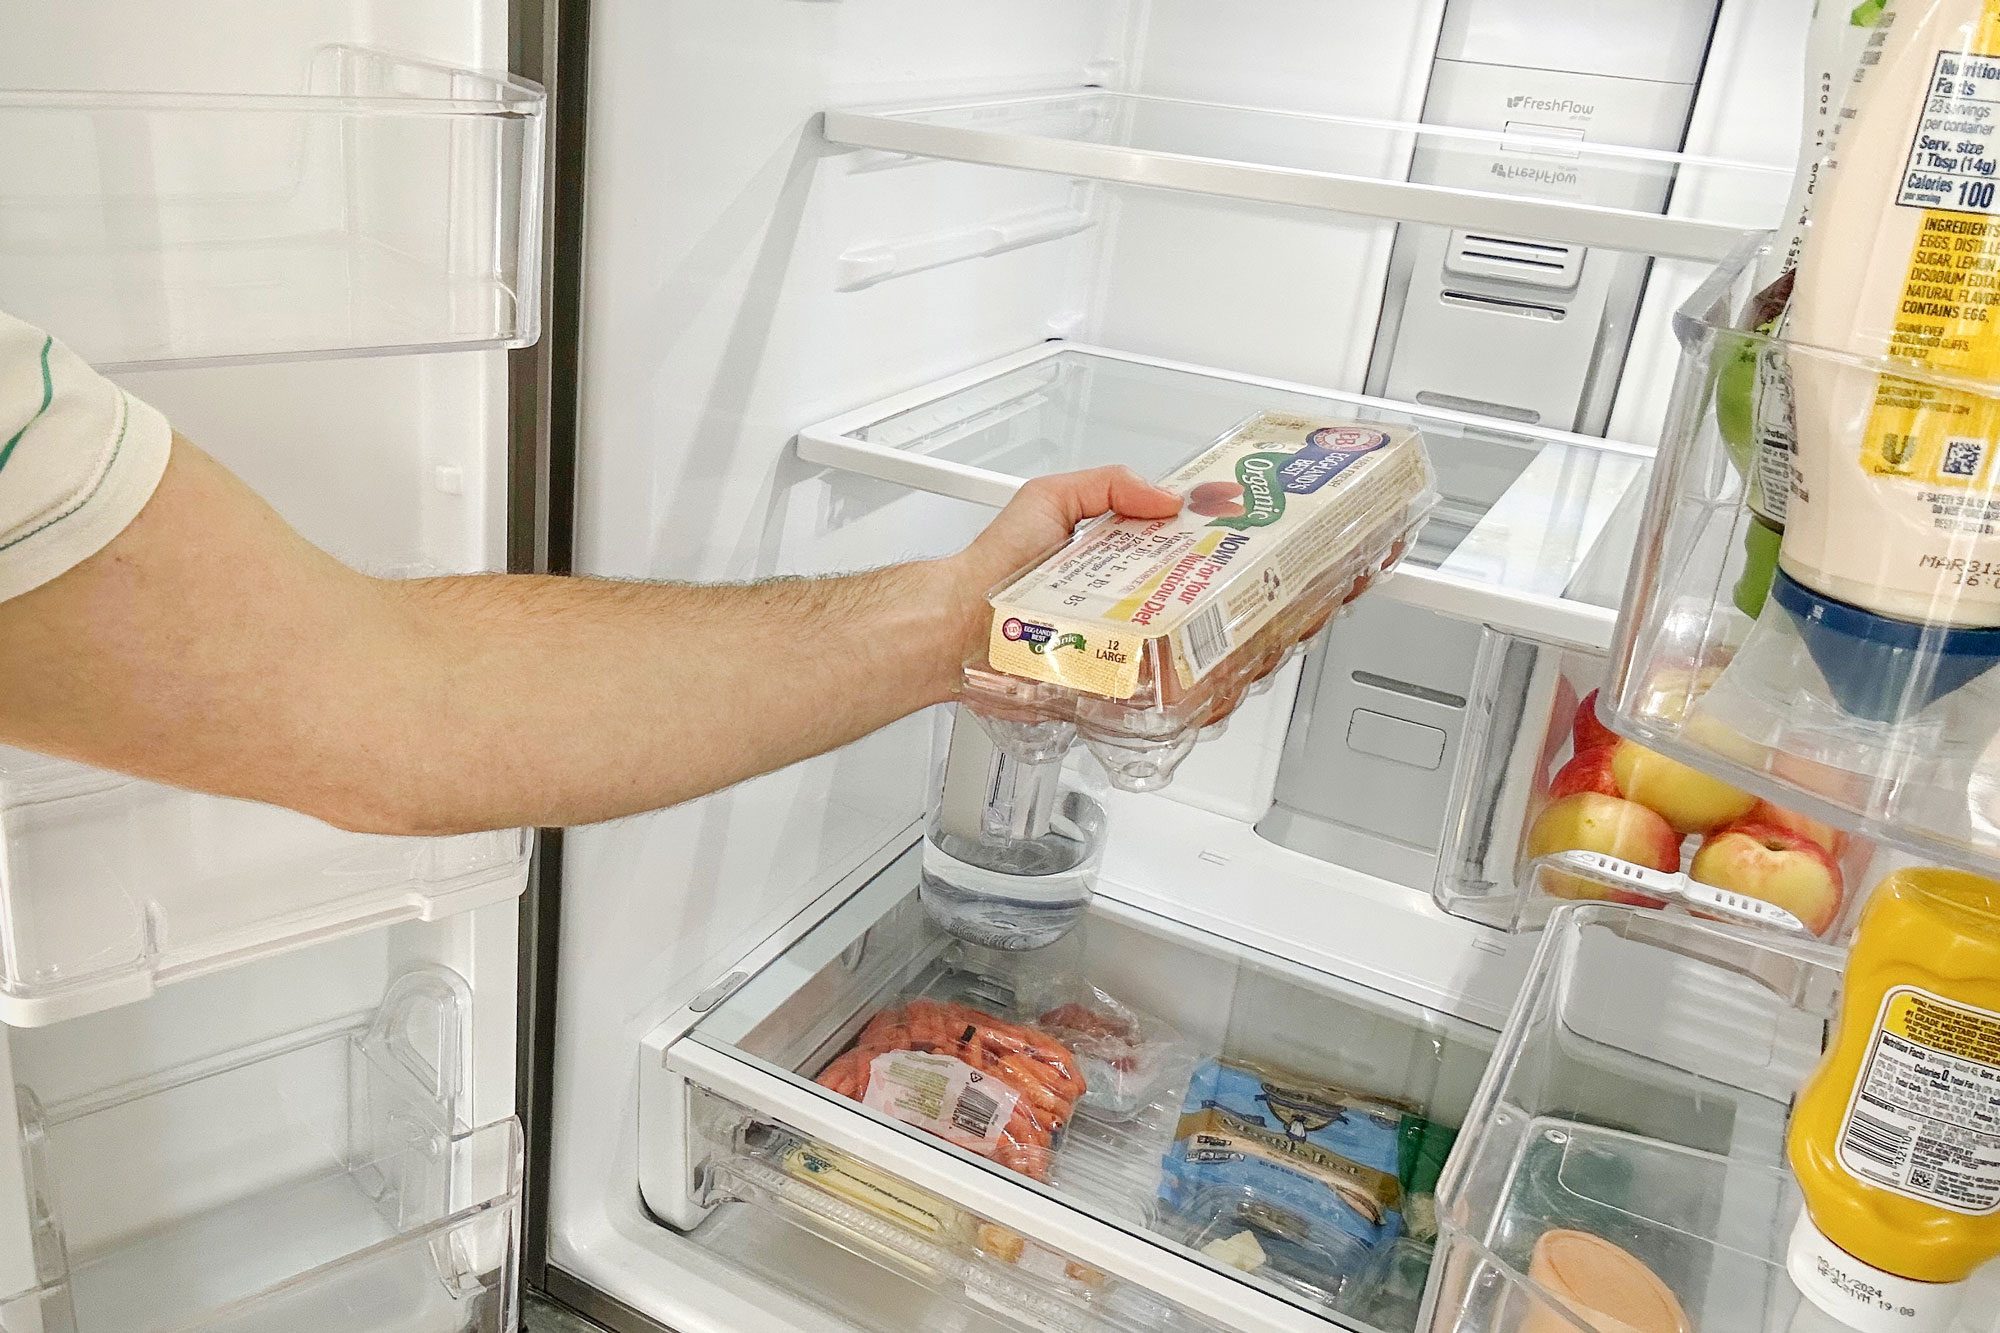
[(997, 1088), (1140, 632)]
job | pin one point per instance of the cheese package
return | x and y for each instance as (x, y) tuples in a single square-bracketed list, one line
[(1140, 632)]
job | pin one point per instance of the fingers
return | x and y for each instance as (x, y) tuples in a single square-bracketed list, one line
[(1075, 496)]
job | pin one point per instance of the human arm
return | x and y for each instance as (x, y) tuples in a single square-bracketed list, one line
[(212, 647)]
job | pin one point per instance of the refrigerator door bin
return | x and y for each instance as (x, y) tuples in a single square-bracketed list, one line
[(1514, 542), (322, 1180), (1390, 1064), (1540, 774), (110, 886), (392, 206), (1728, 661), (1639, 1095), (1565, 189)]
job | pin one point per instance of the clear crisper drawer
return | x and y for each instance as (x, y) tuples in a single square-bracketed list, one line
[(1540, 775), (967, 1263), (321, 1181), (390, 205), (1176, 1035), (1883, 724), (1639, 1096), (111, 886)]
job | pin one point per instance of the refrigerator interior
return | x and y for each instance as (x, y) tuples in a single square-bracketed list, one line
[(310, 1124), (746, 279)]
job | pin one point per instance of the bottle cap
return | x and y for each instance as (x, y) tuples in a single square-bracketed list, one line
[(1861, 1296), (1878, 667)]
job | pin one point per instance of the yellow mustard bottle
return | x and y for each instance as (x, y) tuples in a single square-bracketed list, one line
[(1895, 1140)]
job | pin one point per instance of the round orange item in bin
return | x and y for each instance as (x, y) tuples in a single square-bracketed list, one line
[(1604, 1286)]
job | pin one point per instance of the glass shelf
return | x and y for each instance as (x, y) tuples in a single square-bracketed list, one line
[(1518, 183), (318, 1181), (1527, 537), (111, 886), (393, 206), (1639, 1095), (762, 1046)]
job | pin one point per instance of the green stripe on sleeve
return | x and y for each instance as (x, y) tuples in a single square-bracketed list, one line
[(48, 396)]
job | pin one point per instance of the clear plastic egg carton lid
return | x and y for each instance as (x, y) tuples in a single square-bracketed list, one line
[(1839, 664), (1140, 633)]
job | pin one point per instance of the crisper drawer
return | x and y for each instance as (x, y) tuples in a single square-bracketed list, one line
[(1254, 1143)]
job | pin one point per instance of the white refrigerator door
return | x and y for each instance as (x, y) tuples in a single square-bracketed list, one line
[(241, 212)]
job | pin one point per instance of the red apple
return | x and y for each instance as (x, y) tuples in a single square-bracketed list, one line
[(1589, 821), (1588, 770), (1776, 865), (1691, 800), (1587, 731), (1827, 836)]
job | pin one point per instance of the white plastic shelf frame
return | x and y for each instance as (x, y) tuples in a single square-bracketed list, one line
[(1526, 537), (111, 886), (1519, 183), (393, 205), (318, 1181)]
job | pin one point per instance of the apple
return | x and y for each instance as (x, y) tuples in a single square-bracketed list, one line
[(1586, 731), (1776, 865), (1827, 836), (1590, 821), (1217, 499), (1588, 770), (1689, 799)]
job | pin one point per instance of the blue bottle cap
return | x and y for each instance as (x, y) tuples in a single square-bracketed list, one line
[(1878, 667)]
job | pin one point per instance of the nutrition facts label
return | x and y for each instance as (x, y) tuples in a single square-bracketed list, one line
[(1953, 159), (1925, 1119)]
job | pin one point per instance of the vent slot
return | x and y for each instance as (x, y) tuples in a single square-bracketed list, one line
[(1504, 305), (1514, 259)]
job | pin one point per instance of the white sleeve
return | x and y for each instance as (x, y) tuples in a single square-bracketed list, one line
[(79, 458)]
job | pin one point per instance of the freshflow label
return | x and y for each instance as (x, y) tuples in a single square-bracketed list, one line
[(1271, 506)]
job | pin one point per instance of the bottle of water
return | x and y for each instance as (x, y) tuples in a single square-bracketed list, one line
[(1011, 855)]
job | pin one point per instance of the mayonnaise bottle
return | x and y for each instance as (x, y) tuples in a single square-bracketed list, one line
[(1893, 507), (1890, 560)]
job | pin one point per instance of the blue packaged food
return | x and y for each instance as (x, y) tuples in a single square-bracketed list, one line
[(1302, 1162)]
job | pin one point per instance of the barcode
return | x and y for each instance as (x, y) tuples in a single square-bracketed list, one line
[(974, 1113), (1206, 639), (1878, 1141), (1962, 457)]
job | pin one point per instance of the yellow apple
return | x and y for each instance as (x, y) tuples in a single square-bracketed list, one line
[(1590, 821), (1774, 864), (1689, 799)]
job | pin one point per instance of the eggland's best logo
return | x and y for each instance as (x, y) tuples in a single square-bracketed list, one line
[(1039, 638)]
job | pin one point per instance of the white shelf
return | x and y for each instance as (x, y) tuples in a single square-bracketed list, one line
[(1563, 190), (1527, 537), (392, 206), (318, 1181), (111, 886)]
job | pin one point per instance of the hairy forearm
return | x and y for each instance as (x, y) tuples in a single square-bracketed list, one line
[(211, 647), (573, 700)]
